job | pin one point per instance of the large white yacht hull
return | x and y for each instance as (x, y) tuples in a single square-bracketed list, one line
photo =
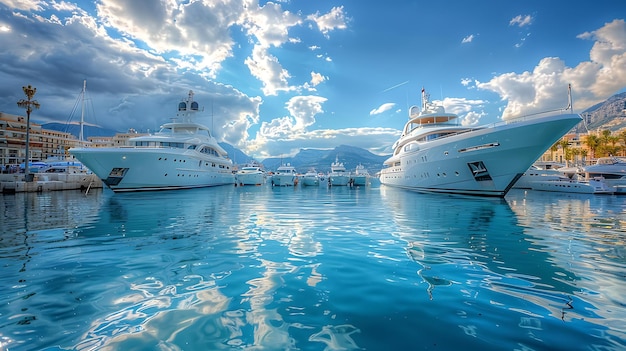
[(143, 169), (484, 162)]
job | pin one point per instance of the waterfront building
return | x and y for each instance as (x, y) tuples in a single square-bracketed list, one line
[(44, 143)]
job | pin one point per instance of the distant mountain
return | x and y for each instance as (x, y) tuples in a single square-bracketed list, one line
[(236, 155), (321, 160), (610, 114)]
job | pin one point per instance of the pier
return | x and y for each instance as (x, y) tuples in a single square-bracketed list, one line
[(16, 183)]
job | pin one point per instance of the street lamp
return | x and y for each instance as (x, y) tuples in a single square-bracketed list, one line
[(28, 104)]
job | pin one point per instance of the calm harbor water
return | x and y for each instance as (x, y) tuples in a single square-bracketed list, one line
[(262, 268)]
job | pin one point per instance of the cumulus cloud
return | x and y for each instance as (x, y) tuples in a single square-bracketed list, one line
[(27, 5), (302, 111), (197, 33), (545, 87), (317, 78), (268, 70), (335, 19), (382, 108)]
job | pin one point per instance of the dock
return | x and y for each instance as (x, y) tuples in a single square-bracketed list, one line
[(15, 183)]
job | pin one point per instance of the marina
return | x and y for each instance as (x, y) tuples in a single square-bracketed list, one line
[(254, 177), (311, 268)]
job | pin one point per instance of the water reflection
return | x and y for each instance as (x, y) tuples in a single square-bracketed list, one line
[(532, 255), (313, 269)]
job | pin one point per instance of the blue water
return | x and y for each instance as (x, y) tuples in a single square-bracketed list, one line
[(261, 268)]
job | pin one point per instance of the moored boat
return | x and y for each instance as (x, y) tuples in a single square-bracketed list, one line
[(436, 153), (538, 174), (361, 176), (611, 169), (338, 175), (285, 175), (250, 175), (591, 186), (310, 178), (183, 154)]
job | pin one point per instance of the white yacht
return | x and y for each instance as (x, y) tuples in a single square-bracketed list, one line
[(611, 169), (538, 174), (285, 176), (311, 178), (591, 186), (183, 154), (435, 153), (250, 175), (338, 175), (361, 176)]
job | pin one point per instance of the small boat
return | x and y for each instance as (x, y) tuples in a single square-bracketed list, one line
[(591, 186), (183, 154), (310, 178), (338, 175), (538, 174), (361, 176), (250, 175), (285, 175), (437, 153), (611, 169)]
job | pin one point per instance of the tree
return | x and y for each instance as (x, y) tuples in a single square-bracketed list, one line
[(564, 143), (593, 142)]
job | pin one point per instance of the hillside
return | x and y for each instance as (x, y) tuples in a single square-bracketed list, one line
[(610, 114)]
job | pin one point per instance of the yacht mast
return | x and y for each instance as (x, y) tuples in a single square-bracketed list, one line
[(82, 113)]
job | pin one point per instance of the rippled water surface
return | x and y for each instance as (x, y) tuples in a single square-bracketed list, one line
[(261, 268)]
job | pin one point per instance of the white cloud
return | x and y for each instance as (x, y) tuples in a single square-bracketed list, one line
[(317, 78), (382, 108), (268, 70), (521, 20), (468, 39), (545, 88), (335, 19), (196, 32), (269, 24), (26, 5), (302, 111), (381, 138)]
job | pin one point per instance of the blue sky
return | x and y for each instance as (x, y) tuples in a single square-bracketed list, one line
[(275, 77)]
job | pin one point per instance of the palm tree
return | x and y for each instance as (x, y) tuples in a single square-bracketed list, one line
[(583, 155), (593, 142), (575, 152), (564, 143), (554, 148)]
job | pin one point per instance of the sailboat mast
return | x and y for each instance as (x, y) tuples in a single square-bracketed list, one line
[(82, 113)]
